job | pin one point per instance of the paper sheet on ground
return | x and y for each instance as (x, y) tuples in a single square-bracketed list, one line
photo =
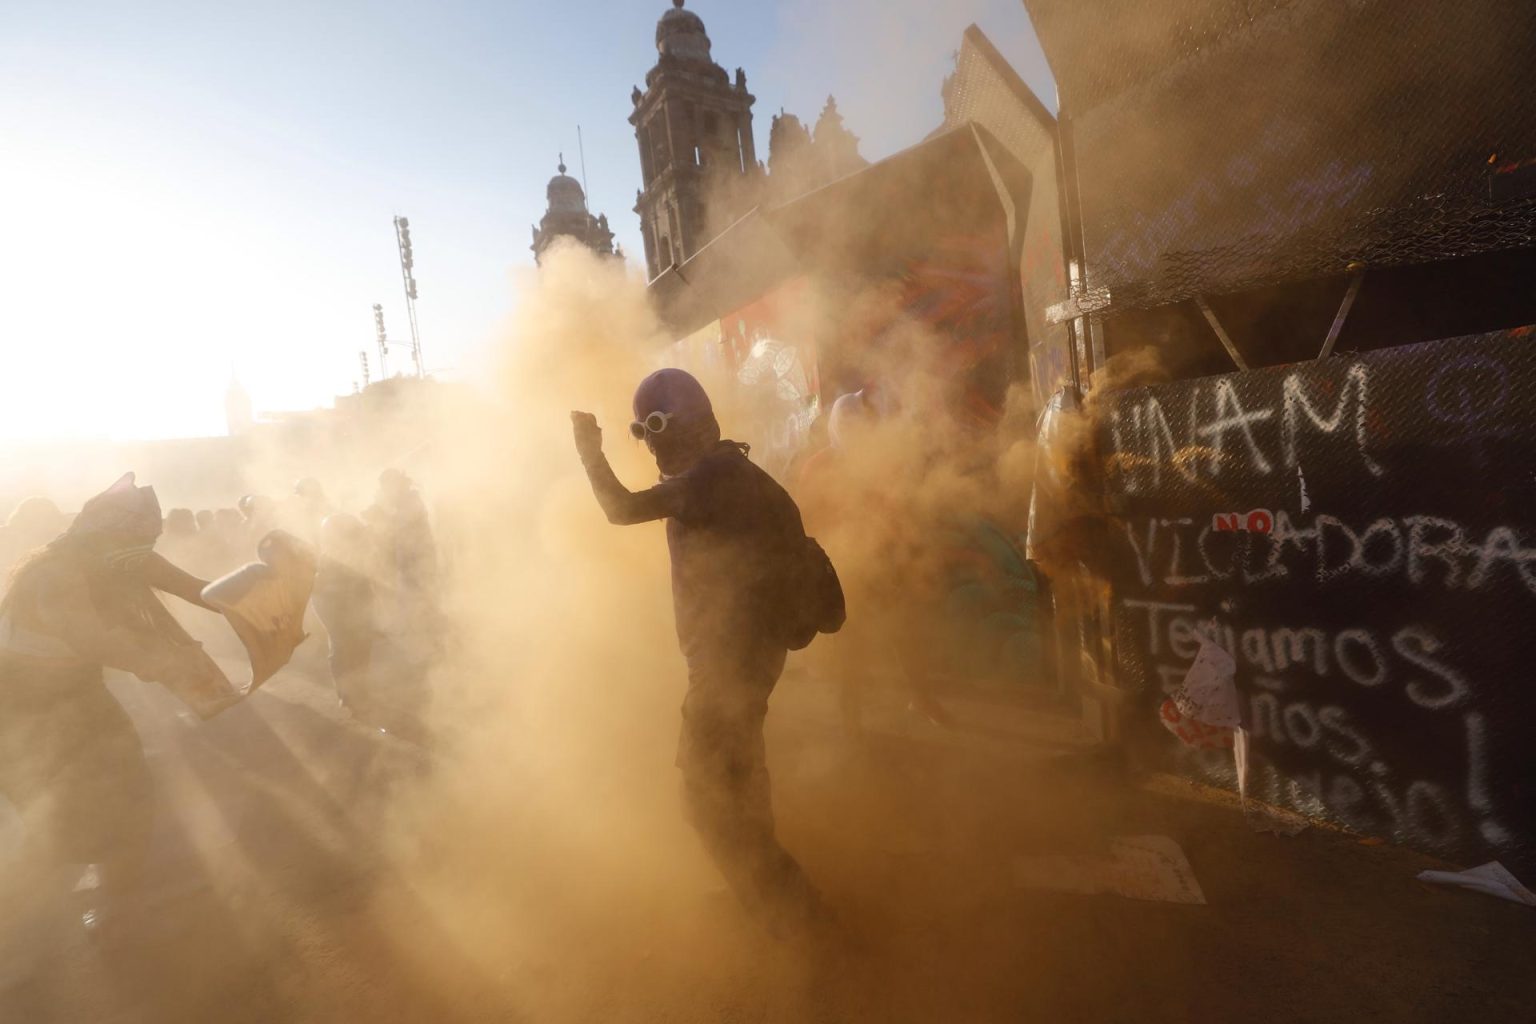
[(1136, 867), (1493, 878)]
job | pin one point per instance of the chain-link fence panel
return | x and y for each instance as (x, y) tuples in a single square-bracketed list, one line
[(1360, 534), (1228, 144)]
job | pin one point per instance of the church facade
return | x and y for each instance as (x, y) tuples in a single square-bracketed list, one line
[(698, 157), (568, 217), (693, 124), (699, 165)]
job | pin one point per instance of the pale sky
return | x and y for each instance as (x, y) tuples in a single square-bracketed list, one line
[(193, 188)]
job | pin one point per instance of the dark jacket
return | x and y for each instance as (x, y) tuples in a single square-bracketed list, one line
[(730, 530)]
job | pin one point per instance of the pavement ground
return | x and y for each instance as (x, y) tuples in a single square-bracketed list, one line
[(269, 875)]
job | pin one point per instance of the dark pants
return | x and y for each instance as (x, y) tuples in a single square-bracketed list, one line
[(72, 764), (351, 657), (726, 786), (344, 602)]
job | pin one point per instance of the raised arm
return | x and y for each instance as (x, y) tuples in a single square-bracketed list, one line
[(622, 506)]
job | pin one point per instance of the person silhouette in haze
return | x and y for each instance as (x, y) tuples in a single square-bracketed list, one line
[(70, 758), (728, 526)]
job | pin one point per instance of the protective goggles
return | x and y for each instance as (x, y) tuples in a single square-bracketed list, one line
[(655, 423)]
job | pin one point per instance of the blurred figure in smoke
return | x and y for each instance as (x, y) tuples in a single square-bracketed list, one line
[(344, 601), (181, 543), (70, 760), (180, 537), (257, 518), (305, 510), (228, 524), (399, 517), (180, 524), (729, 526), (221, 541), (33, 523), (206, 554), (817, 439), (843, 500), (379, 679)]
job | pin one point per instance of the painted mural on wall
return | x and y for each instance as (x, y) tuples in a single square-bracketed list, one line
[(762, 365), (994, 612), (997, 612), (961, 290), (775, 367), (1360, 535), (995, 606), (985, 91)]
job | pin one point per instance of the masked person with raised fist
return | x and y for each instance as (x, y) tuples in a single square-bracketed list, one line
[(739, 566)]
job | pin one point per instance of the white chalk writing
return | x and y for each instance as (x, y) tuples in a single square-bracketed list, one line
[(1355, 655), (1426, 551), (1367, 788), (1253, 437)]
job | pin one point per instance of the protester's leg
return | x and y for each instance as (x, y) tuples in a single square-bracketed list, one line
[(712, 800), (917, 633), (105, 803), (732, 811), (728, 794), (351, 659), (35, 882), (74, 768)]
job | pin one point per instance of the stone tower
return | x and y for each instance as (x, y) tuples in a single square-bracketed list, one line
[(697, 157), (800, 161), (237, 408), (837, 148), (569, 217)]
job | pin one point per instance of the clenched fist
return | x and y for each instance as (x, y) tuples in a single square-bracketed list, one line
[(589, 436)]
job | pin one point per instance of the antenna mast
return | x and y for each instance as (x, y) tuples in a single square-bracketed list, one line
[(408, 276), (383, 339), (582, 148)]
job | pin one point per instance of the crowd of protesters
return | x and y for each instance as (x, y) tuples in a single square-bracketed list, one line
[(375, 589), (81, 597), (749, 586)]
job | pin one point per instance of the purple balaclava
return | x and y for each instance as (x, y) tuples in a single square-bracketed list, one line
[(691, 430)]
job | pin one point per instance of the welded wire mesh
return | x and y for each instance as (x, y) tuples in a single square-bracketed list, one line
[(1226, 144)]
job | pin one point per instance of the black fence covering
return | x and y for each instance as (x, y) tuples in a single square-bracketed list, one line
[(1226, 144), (1360, 534)]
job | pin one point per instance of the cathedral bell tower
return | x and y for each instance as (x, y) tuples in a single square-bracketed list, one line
[(568, 217), (697, 157)]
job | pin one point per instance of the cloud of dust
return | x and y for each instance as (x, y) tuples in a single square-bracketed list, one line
[(547, 848), (550, 839), (912, 463), (551, 835)]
